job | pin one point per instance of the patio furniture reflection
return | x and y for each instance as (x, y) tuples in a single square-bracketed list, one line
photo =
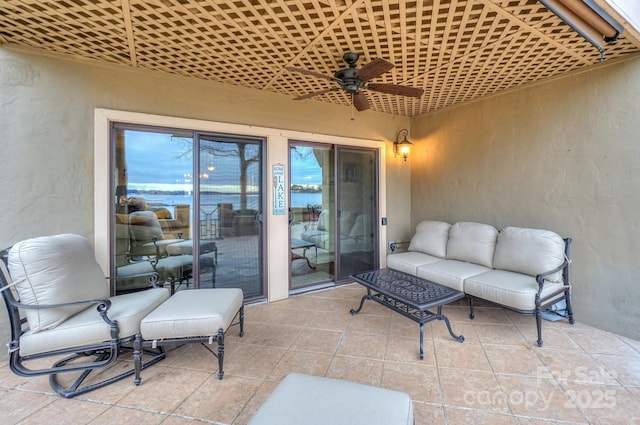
[(211, 227)]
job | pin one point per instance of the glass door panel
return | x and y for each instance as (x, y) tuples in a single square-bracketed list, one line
[(152, 205), (357, 242), (230, 205), (170, 209), (312, 214)]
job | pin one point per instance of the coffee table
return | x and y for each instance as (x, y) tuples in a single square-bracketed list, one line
[(408, 295), (304, 245)]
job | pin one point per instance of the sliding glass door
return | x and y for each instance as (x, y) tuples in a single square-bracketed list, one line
[(357, 207), (230, 205), (333, 205), (186, 206)]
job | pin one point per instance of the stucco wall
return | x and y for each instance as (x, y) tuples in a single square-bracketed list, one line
[(563, 156), (46, 126)]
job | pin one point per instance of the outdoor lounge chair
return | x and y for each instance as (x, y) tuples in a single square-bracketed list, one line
[(56, 283)]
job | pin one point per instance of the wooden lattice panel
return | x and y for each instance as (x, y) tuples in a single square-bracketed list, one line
[(456, 50), (86, 28)]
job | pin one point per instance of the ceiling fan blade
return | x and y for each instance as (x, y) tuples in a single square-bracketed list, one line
[(360, 101), (315, 93), (396, 89), (374, 68), (312, 73)]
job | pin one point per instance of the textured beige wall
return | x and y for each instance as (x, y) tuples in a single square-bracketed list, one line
[(47, 131), (46, 125), (563, 156)]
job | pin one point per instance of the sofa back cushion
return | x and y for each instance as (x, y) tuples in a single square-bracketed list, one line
[(323, 220), (472, 242), (431, 238), (529, 251), (54, 270), (347, 219)]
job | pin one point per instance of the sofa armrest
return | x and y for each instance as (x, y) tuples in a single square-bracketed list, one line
[(564, 267), (395, 244), (540, 277)]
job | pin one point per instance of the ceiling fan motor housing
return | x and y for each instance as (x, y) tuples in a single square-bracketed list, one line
[(349, 82)]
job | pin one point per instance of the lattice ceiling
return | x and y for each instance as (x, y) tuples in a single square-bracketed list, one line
[(456, 50)]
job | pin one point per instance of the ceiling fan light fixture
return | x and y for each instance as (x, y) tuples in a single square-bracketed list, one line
[(354, 81)]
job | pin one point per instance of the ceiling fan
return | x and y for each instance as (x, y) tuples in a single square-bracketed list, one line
[(353, 80)]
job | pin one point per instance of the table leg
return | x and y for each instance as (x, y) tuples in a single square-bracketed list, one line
[(446, 321), (366, 297), (304, 254), (421, 341)]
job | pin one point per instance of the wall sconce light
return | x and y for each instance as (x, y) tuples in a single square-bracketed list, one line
[(403, 147)]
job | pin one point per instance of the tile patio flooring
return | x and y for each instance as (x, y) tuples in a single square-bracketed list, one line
[(497, 376)]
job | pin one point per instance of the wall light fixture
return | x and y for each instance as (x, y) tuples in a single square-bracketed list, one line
[(403, 147)]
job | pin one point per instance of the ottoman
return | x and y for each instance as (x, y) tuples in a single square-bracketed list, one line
[(311, 400), (195, 315)]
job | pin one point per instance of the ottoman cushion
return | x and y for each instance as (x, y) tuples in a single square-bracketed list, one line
[(197, 312), (312, 400)]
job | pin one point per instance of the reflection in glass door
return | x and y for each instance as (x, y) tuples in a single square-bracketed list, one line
[(312, 212), (230, 209), (194, 222), (333, 202), (356, 211)]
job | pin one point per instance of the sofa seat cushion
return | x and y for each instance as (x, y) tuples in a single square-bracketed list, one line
[(431, 238), (55, 270), (529, 251), (515, 290), (88, 327), (451, 273), (472, 242), (319, 238), (409, 262)]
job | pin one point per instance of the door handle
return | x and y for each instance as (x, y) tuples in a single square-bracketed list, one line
[(290, 217)]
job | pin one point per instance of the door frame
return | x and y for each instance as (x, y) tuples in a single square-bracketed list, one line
[(276, 151)]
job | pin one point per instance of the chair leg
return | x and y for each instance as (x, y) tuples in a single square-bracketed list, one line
[(539, 321), (472, 313), (137, 357), (567, 297), (539, 325), (220, 353), (242, 320)]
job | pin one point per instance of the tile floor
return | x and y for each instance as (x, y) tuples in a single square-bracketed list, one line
[(497, 376)]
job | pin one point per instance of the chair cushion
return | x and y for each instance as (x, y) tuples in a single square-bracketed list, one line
[(88, 327), (529, 251), (145, 226), (472, 242), (431, 238), (54, 270), (196, 312), (174, 267), (312, 400)]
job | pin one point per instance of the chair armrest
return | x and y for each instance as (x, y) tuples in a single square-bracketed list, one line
[(102, 307), (152, 277)]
